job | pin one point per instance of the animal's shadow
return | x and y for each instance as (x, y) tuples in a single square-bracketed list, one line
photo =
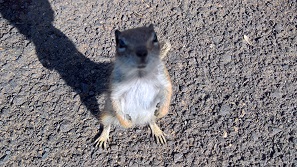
[(33, 18)]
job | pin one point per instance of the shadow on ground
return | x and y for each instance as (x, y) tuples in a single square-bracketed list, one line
[(55, 51)]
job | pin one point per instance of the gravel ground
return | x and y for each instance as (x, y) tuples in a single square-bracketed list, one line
[(233, 66)]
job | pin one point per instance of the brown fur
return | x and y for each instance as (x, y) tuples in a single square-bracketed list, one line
[(164, 108)]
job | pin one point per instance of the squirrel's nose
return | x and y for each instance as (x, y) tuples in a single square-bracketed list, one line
[(141, 53)]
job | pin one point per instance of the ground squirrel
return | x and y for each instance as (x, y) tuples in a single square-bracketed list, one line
[(139, 82)]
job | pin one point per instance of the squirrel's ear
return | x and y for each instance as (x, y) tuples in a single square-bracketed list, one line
[(151, 26), (117, 33)]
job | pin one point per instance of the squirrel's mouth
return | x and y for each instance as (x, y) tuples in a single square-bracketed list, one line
[(142, 63), (141, 66)]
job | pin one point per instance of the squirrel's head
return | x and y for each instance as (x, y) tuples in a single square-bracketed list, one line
[(138, 47)]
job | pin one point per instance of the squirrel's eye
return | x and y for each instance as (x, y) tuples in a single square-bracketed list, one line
[(122, 44), (155, 39)]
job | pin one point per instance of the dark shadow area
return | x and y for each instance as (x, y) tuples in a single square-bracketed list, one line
[(33, 18)]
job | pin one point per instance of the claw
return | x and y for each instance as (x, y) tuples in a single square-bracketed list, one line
[(102, 140), (160, 138), (101, 143), (158, 133)]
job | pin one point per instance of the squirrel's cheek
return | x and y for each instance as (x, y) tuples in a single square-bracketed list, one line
[(121, 50)]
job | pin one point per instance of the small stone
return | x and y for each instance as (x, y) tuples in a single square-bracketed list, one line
[(178, 157), (44, 155), (225, 110), (226, 58), (19, 100), (65, 127), (8, 152)]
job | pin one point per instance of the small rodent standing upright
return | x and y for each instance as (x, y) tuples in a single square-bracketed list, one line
[(139, 82)]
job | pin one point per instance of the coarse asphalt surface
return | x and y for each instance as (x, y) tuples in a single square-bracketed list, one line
[(233, 65)]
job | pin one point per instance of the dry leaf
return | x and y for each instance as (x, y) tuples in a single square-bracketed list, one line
[(236, 129), (247, 39), (242, 114), (225, 134)]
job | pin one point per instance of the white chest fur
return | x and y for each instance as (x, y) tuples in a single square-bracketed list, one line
[(138, 98)]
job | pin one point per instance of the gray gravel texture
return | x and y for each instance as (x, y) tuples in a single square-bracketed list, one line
[(233, 66)]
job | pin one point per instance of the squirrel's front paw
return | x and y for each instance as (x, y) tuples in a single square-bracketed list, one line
[(125, 122), (159, 113)]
